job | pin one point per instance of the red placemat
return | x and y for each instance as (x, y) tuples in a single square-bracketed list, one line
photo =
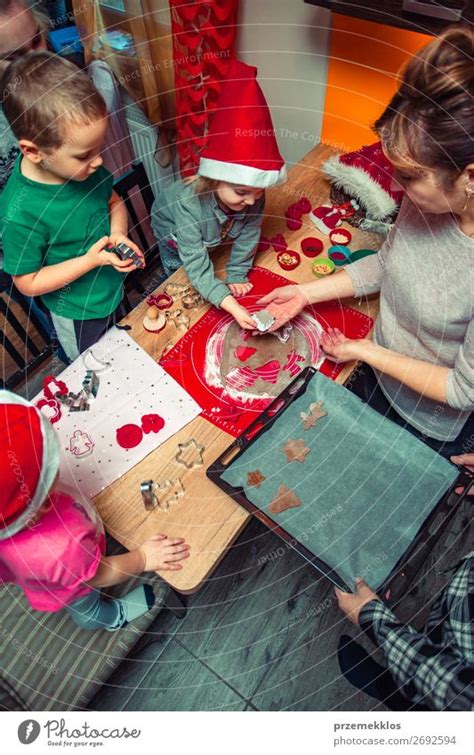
[(186, 361)]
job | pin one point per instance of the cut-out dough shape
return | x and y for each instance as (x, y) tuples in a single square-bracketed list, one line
[(296, 450), (284, 499), (129, 436), (315, 412), (255, 478), (190, 454), (81, 444), (152, 423), (168, 492)]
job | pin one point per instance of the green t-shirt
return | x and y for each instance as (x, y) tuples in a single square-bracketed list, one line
[(43, 224)]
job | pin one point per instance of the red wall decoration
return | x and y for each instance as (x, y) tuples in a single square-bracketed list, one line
[(204, 35)]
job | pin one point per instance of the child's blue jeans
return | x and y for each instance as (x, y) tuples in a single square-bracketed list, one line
[(93, 612)]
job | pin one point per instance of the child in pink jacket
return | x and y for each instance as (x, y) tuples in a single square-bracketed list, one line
[(52, 544)]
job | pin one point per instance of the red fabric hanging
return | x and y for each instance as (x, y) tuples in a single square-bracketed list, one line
[(204, 35)]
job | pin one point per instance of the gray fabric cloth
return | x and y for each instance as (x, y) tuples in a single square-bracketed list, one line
[(191, 224), (425, 274)]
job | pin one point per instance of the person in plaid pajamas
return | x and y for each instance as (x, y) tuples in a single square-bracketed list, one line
[(430, 670)]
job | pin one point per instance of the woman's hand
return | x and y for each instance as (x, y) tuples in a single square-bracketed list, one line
[(240, 289), (464, 460), (284, 303), (351, 603), (162, 553), (339, 348)]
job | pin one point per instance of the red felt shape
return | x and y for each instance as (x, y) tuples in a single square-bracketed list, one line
[(186, 361), (129, 436), (293, 224), (304, 205), (263, 244), (278, 242), (244, 352), (53, 410), (152, 423), (61, 387)]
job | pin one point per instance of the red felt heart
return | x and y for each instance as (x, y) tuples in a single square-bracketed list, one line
[(244, 352), (129, 436)]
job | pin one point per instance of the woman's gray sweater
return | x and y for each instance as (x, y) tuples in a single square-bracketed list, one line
[(425, 275)]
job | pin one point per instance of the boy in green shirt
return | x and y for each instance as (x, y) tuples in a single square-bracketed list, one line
[(58, 211)]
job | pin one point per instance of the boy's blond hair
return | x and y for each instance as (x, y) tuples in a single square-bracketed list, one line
[(44, 94)]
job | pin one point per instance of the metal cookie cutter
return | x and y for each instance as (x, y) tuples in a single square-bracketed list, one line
[(149, 498), (191, 300), (263, 320), (91, 383), (126, 253)]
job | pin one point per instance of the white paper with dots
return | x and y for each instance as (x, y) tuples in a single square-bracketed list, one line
[(133, 385)]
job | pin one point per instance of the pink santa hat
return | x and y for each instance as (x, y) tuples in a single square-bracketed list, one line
[(241, 146)]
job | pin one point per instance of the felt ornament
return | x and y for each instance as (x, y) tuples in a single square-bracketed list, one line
[(129, 436), (263, 244), (278, 242), (284, 499), (152, 423), (296, 450), (50, 409)]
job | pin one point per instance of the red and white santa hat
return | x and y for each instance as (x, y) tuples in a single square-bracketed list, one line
[(29, 462), (242, 147), (366, 175)]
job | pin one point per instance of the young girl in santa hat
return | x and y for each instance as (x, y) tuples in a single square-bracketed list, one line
[(224, 203), (52, 544)]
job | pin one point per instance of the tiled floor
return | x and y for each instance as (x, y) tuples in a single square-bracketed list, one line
[(260, 635)]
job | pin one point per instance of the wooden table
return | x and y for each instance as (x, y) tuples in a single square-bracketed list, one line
[(208, 519)]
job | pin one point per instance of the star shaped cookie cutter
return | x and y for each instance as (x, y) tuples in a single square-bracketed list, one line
[(183, 455)]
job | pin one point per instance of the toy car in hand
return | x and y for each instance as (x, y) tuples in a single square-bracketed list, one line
[(126, 253)]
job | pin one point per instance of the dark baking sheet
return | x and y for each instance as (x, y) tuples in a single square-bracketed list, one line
[(370, 491)]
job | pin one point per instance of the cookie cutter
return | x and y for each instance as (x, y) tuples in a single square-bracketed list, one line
[(179, 319), (91, 383), (177, 289), (160, 301), (263, 320), (149, 497), (91, 362), (284, 333), (169, 492), (191, 300), (183, 449), (125, 252)]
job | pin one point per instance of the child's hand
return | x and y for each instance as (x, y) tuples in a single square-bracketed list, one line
[(161, 553), (244, 318), (99, 256), (240, 289), (121, 238)]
